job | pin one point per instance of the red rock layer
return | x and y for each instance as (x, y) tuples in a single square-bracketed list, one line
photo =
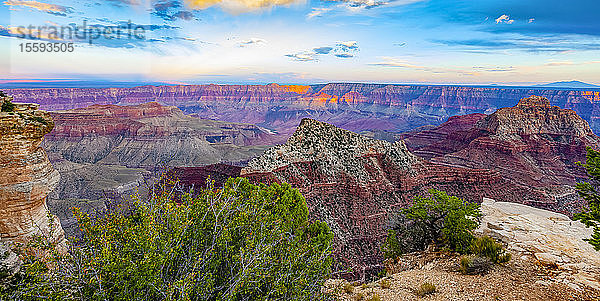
[(532, 145), (26, 176), (355, 107), (355, 184)]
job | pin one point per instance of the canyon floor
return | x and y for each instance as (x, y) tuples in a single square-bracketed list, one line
[(517, 280)]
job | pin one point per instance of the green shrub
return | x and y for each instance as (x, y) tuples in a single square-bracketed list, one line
[(241, 242), (473, 264), (590, 192), (446, 221), (39, 120), (2, 94), (348, 288), (487, 247), (385, 283), (7, 105), (425, 289), (374, 297)]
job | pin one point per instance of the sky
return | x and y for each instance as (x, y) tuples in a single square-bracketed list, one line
[(507, 42)]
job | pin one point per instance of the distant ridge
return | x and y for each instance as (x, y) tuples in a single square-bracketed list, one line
[(568, 84)]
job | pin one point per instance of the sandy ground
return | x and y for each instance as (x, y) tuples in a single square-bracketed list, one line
[(516, 280)]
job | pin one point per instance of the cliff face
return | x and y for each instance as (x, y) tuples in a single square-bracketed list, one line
[(26, 175), (149, 135), (110, 150), (533, 145), (354, 183), (355, 107)]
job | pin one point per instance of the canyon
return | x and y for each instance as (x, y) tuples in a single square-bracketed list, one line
[(355, 184), (524, 154), (353, 106), (533, 145), (107, 151)]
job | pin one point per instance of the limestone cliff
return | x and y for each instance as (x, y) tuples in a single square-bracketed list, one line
[(26, 175)]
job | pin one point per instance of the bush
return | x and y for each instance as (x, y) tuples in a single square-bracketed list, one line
[(2, 94), (472, 264), (374, 297), (590, 192), (385, 283), (7, 105), (487, 247), (348, 288), (425, 289), (241, 242), (440, 219)]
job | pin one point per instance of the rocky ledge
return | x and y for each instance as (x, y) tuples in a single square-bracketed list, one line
[(548, 238), (26, 175)]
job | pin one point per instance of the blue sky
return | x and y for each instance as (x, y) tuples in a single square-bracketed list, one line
[(304, 41)]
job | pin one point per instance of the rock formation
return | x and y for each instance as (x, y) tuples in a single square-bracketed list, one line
[(355, 107), (148, 135), (533, 145), (197, 177), (552, 239), (26, 176), (108, 151), (354, 184)]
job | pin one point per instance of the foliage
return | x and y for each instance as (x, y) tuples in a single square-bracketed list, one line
[(241, 242), (590, 192), (2, 94), (348, 288), (385, 283), (425, 289), (374, 297), (473, 264), (440, 219), (7, 105), (39, 120), (487, 247)]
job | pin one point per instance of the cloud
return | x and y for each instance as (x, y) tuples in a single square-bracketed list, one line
[(504, 19), (531, 20), (53, 9), (239, 6), (317, 12), (494, 69), (393, 62), (552, 17), (171, 11), (361, 5), (348, 45), (397, 63), (340, 50), (252, 41), (303, 56), (323, 50), (527, 44)]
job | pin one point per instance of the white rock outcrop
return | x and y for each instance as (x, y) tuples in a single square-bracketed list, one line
[(550, 238)]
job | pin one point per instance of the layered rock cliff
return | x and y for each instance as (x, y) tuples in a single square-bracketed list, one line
[(105, 151), (354, 183), (354, 107), (533, 145), (26, 176)]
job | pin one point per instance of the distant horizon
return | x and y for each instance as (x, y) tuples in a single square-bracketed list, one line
[(83, 84)]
